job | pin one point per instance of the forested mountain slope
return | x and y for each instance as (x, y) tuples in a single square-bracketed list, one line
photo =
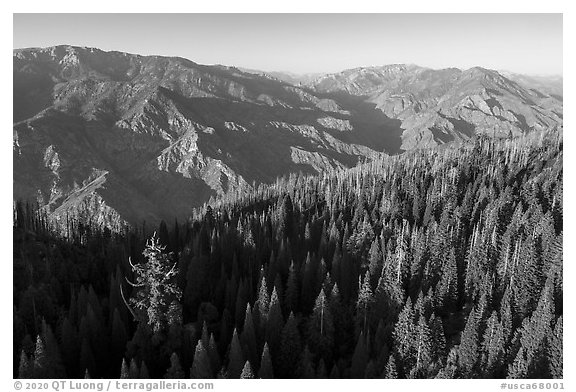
[(436, 263), (116, 139)]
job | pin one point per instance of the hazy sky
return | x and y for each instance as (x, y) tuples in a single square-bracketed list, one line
[(524, 43)]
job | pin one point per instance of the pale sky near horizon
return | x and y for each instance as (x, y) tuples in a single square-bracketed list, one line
[(309, 43)]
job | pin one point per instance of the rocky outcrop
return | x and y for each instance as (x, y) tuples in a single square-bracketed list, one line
[(128, 138), (441, 106), (168, 133)]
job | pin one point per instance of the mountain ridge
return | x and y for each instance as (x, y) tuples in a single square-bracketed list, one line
[(170, 133)]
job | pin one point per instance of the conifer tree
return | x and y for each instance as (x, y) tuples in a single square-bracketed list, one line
[(53, 352), (493, 344), (468, 352), (335, 372), (290, 348), (24, 368), (321, 371), (360, 358), (305, 368), (87, 360), (201, 363), (119, 335), (403, 334), (292, 291), (275, 324), (41, 365), (285, 219), (519, 367), (133, 370), (124, 369), (175, 369), (265, 370), (364, 304), (447, 291), (390, 370), (438, 338), (213, 353), (263, 302), (321, 328), (375, 258), (144, 374), (371, 371), (248, 337), (555, 351), (155, 287), (236, 357), (69, 345), (423, 348), (247, 371)]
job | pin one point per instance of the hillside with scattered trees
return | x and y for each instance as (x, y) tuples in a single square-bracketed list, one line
[(438, 263)]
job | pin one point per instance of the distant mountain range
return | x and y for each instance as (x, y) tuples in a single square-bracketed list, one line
[(113, 136)]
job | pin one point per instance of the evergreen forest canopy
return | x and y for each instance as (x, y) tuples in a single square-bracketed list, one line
[(443, 263)]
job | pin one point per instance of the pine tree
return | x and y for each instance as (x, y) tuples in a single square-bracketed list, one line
[(119, 336), (519, 367), (371, 371), (70, 346), (155, 287), (423, 348), (144, 374), (375, 258), (290, 348), (87, 360), (305, 368), (124, 369), (247, 371), (335, 372), (404, 335), (285, 218), (360, 358), (265, 370), (321, 328), (196, 279), (236, 357), (248, 337), (204, 336), (321, 371), (175, 369), (390, 370), (447, 291), (213, 353), (438, 338), (133, 370), (41, 365), (493, 344), (201, 363), (555, 351), (263, 302), (468, 352), (275, 324), (364, 304), (24, 368), (292, 291), (53, 352), (534, 331), (265, 364)]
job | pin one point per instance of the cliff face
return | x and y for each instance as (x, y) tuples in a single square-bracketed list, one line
[(440, 106), (122, 136)]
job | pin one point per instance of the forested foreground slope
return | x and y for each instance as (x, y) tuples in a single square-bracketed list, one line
[(438, 263)]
